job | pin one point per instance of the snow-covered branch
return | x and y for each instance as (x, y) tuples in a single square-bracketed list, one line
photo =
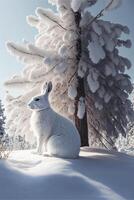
[(49, 16)]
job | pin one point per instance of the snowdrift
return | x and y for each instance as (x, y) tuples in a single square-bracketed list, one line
[(97, 174)]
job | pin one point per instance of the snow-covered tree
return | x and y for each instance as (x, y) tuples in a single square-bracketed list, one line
[(2, 120), (80, 54), (3, 147), (127, 144)]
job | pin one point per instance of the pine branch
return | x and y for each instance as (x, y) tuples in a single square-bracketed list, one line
[(52, 20), (99, 134), (48, 72), (111, 144), (106, 85), (101, 13), (11, 46)]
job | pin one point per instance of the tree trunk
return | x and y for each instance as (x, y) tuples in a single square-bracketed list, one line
[(81, 124)]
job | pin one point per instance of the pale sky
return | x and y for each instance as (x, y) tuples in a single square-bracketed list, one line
[(14, 27)]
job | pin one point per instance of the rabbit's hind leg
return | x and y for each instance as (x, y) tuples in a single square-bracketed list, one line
[(55, 145)]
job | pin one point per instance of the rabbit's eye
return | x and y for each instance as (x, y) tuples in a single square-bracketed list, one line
[(37, 99)]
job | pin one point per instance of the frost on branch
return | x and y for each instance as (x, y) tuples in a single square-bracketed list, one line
[(48, 16), (16, 81), (26, 54), (32, 21)]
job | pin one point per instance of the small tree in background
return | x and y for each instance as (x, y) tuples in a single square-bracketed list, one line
[(4, 152), (127, 144), (80, 54), (2, 120), (9, 143)]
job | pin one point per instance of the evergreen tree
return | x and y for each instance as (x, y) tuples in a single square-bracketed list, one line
[(3, 143), (2, 120), (80, 54), (127, 144)]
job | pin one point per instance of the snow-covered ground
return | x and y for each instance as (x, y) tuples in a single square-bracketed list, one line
[(96, 175)]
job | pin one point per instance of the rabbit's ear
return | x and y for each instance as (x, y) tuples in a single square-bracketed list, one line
[(44, 87), (47, 87)]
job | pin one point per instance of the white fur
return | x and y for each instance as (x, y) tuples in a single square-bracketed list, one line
[(57, 133)]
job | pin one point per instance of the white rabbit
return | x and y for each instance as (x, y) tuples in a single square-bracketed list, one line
[(57, 133)]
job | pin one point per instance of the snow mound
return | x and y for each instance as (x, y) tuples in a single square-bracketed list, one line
[(97, 174)]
